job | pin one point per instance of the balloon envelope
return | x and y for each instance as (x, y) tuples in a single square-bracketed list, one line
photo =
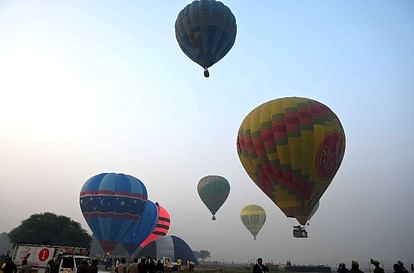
[(141, 228), (292, 148), (169, 246), (205, 31), (213, 191), (161, 229), (110, 203), (253, 218)]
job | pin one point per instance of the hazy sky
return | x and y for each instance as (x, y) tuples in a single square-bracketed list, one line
[(102, 86)]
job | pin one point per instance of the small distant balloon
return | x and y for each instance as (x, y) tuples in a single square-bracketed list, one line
[(205, 31), (213, 191), (253, 218)]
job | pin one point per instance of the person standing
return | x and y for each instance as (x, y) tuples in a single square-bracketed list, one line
[(342, 268), (259, 267), (377, 268), (179, 263), (397, 268), (25, 268), (403, 269), (133, 267), (142, 265), (355, 267), (10, 266), (150, 265), (83, 266), (159, 267), (94, 266)]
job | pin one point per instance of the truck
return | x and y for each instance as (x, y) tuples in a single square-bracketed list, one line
[(65, 259)]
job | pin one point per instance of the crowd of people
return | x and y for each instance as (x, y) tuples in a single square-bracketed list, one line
[(150, 265), (398, 267)]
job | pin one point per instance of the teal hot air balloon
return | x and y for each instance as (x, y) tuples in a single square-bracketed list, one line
[(205, 31), (213, 191)]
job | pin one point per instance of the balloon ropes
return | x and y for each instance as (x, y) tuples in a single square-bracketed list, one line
[(253, 218), (292, 148), (213, 191), (205, 31)]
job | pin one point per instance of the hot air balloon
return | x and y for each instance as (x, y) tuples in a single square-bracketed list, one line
[(213, 191), (110, 203), (292, 148), (253, 218), (161, 229), (140, 228), (205, 31), (170, 246)]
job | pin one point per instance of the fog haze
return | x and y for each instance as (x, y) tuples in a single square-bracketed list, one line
[(102, 86)]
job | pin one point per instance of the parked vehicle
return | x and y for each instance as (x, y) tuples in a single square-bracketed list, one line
[(40, 257)]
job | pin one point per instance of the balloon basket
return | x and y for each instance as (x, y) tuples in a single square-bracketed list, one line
[(206, 73), (300, 232)]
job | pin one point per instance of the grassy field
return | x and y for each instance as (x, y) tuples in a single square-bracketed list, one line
[(229, 268)]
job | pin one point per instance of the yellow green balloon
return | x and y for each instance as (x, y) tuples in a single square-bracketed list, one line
[(292, 148), (253, 218)]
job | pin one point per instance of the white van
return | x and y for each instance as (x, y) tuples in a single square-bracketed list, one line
[(71, 263)]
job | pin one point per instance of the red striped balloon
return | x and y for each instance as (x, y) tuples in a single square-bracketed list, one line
[(162, 227)]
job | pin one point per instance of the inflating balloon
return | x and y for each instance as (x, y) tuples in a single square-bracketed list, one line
[(141, 228), (161, 229), (170, 246), (213, 191), (110, 203), (253, 218), (292, 148), (205, 31)]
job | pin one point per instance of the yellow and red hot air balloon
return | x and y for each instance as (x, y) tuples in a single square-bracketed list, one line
[(292, 148)]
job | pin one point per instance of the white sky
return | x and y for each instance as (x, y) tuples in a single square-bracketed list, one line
[(101, 86)]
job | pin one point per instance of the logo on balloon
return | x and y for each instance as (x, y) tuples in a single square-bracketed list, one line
[(329, 155)]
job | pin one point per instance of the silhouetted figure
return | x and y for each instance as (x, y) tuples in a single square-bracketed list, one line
[(191, 265), (142, 266), (377, 268), (94, 266), (150, 265), (397, 268), (133, 267), (159, 267), (403, 269), (179, 263), (412, 267), (355, 267), (83, 266), (25, 268), (342, 268), (121, 267), (259, 267), (10, 266), (52, 266)]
